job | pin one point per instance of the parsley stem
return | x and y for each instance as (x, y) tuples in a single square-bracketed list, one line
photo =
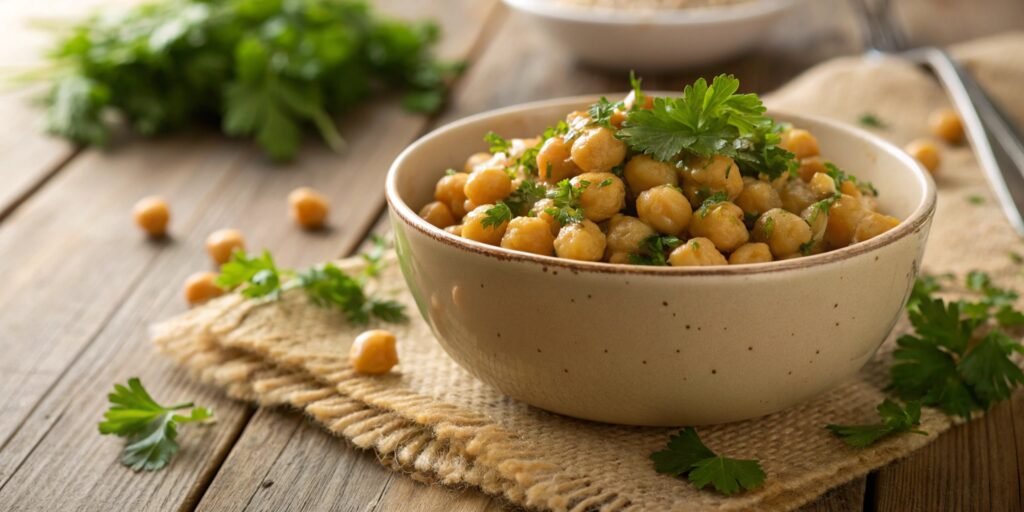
[(185, 405)]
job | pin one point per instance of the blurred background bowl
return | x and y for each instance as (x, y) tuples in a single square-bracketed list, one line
[(654, 40)]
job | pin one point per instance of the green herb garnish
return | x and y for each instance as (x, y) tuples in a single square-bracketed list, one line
[(567, 209), (713, 199), (496, 215), (328, 286), (523, 198), (602, 111), (871, 120), (975, 199), (895, 419), (652, 250), (839, 176), (686, 455)]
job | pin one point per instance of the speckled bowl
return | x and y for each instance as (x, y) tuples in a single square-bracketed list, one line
[(657, 346)]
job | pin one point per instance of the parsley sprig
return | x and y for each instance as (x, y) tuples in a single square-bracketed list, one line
[(686, 455), (653, 249), (839, 176), (150, 429), (894, 419), (566, 197)]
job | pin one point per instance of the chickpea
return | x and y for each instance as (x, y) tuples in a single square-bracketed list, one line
[(703, 177), (618, 257), (872, 225), (630, 101), (539, 210), (308, 207), (783, 231), (221, 244), (603, 197), (152, 215), (475, 160), (488, 186), (722, 223), (800, 142), (598, 150), (757, 197), (201, 287), (665, 209), (554, 161), (816, 216), (810, 166), (696, 252), (438, 214), (796, 196), (755, 252), (926, 152), (582, 241), (373, 352), (843, 217), (529, 234), (473, 226), (946, 125), (451, 190), (822, 185), (643, 172), (850, 188), (455, 230), (625, 234)]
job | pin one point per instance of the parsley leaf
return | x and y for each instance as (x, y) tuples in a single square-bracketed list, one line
[(839, 176), (522, 198), (567, 209), (150, 429), (638, 93), (871, 120), (327, 286), (895, 419), (602, 111), (258, 274), (496, 215), (497, 143), (713, 199), (685, 454), (652, 250), (374, 258)]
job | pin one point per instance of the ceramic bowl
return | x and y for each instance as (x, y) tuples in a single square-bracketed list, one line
[(654, 40), (657, 345)]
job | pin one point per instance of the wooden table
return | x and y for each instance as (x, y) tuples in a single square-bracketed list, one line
[(83, 285)]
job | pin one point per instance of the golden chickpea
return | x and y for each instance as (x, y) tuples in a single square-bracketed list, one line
[(221, 244), (554, 161), (722, 223), (665, 209), (625, 234), (451, 190), (946, 125), (755, 252), (757, 197), (800, 142), (488, 186), (696, 252), (617, 257), (796, 196), (598, 150), (872, 225), (810, 166), (822, 185), (539, 210), (473, 226), (475, 160), (783, 231), (529, 234), (850, 188), (603, 197), (201, 287), (152, 215), (308, 207), (643, 172), (455, 230), (843, 217), (704, 177), (582, 241), (926, 152), (373, 352), (438, 214)]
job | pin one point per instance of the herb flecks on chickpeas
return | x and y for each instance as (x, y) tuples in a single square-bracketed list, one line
[(703, 179)]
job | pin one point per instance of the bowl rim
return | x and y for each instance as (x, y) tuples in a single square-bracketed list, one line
[(664, 17), (911, 224)]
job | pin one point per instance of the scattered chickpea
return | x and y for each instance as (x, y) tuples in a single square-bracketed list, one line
[(222, 243), (582, 241), (474, 160), (872, 225), (643, 172), (843, 217), (603, 197), (810, 166), (703, 177), (450, 190), (926, 152), (473, 226), (488, 186), (152, 215), (598, 150), (722, 223), (554, 161), (755, 252), (800, 142), (665, 209), (201, 287), (796, 195), (783, 231), (529, 234), (438, 214), (308, 207), (946, 125), (696, 252), (625, 234), (822, 185), (373, 352), (757, 197)]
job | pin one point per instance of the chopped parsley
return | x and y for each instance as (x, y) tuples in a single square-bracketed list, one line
[(769, 226), (604, 183), (895, 419), (601, 112), (653, 249), (713, 199), (522, 198), (871, 120), (638, 93), (566, 198), (496, 215), (496, 143), (328, 286), (687, 455), (839, 176), (975, 199)]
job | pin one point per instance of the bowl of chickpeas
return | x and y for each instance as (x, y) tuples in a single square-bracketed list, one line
[(589, 269)]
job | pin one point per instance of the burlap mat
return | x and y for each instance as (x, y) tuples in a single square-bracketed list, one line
[(435, 422)]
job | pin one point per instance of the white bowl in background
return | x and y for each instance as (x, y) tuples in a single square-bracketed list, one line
[(651, 40)]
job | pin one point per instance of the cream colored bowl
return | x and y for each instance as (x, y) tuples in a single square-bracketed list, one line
[(657, 346)]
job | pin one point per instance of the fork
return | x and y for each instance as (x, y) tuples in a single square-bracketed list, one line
[(994, 137)]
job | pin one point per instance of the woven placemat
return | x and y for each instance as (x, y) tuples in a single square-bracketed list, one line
[(433, 421)]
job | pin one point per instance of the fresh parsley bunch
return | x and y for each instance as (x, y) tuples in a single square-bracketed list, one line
[(150, 429), (265, 69)]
